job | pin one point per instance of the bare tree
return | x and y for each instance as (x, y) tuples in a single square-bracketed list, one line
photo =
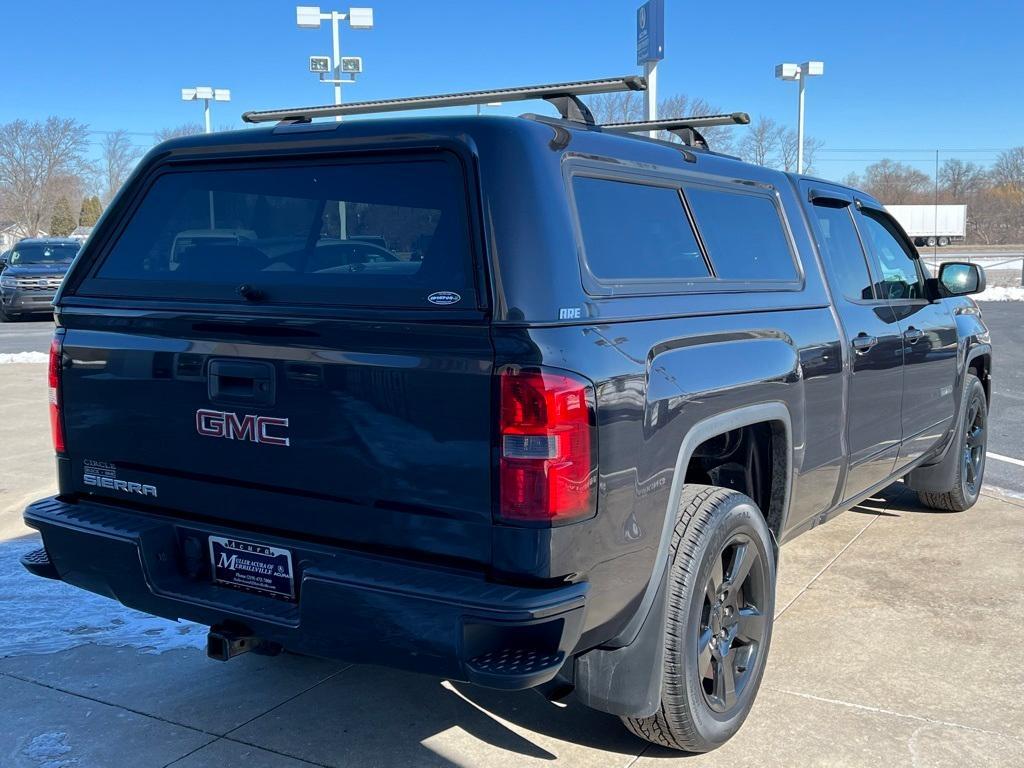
[(185, 129), (1008, 170), (761, 145), (620, 107), (119, 158), (33, 158), (811, 147), (893, 182), (959, 180)]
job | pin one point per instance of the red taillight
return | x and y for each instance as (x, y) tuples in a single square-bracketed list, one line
[(53, 380), (548, 453)]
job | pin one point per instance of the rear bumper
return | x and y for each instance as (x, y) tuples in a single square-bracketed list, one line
[(350, 606)]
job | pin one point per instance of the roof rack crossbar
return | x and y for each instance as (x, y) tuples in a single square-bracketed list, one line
[(683, 127), (563, 96)]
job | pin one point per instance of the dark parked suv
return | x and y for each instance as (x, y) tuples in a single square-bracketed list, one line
[(31, 273), (523, 402)]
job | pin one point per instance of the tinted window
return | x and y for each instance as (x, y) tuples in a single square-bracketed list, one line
[(842, 251), (636, 231), (898, 270), (743, 235), (43, 253), (374, 233)]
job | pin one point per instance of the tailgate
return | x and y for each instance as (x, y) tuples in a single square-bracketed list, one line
[(373, 433)]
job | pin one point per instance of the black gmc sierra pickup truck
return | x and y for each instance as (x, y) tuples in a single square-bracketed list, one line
[(523, 402)]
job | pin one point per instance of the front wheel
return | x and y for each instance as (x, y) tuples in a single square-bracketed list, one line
[(970, 443), (721, 594)]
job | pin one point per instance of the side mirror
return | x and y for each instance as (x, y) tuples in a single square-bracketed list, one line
[(959, 278)]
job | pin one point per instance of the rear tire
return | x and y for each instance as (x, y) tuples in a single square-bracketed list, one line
[(971, 443), (721, 594)]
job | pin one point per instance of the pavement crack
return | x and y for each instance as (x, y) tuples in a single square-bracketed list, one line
[(894, 713), (282, 703), (827, 566), (151, 716)]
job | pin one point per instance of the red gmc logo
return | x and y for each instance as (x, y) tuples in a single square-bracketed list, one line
[(231, 426)]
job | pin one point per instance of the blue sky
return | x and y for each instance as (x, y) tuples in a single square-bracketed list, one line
[(901, 78)]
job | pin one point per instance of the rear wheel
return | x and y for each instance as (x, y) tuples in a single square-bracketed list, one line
[(719, 621), (943, 241), (971, 442), (930, 241)]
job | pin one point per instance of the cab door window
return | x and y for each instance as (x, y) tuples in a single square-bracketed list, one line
[(899, 276), (842, 251)]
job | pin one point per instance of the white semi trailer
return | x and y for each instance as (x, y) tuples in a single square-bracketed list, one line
[(932, 224)]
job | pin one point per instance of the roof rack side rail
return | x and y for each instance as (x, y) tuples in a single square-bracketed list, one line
[(563, 96), (683, 127)]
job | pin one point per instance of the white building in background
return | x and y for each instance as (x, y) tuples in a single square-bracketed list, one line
[(11, 232)]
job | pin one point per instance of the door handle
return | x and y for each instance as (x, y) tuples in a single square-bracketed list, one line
[(862, 342), (913, 335)]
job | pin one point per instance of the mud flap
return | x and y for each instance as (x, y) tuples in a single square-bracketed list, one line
[(627, 681)]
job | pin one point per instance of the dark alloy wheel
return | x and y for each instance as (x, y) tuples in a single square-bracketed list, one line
[(732, 626), (718, 624), (971, 436)]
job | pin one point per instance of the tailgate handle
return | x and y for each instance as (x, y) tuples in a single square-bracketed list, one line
[(234, 381)]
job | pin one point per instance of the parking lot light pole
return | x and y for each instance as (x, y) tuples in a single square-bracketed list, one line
[(205, 94), (479, 107), (310, 17), (800, 73)]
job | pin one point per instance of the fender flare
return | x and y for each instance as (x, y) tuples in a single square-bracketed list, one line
[(623, 677)]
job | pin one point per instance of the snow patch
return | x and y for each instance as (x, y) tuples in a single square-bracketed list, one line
[(8, 358), (49, 750), (45, 616), (1001, 293)]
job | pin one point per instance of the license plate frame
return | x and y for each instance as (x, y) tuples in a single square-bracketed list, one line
[(252, 567)]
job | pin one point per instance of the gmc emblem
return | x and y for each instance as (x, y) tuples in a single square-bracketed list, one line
[(231, 426)]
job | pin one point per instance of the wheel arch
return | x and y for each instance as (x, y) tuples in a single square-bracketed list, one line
[(624, 676)]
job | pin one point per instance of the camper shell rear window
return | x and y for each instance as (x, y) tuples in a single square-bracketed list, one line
[(385, 231)]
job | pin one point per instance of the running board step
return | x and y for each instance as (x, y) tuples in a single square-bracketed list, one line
[(38, 562)]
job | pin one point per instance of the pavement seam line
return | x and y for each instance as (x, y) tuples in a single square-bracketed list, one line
[(303, 692), (894, 713), (189, 754), (1013, 501), (246, 744), (827, 565), (109, 704)]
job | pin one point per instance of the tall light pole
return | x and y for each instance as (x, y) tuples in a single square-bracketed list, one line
[(204, 93), (310, 17), (479, 107), (800, 73)]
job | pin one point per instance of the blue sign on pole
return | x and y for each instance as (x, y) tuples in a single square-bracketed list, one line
[(650, 31)]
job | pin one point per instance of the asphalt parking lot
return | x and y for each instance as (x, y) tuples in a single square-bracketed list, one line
[(895, 644)]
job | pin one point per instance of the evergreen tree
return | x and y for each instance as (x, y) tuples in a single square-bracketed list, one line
[(90, 213), (63, 221)]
